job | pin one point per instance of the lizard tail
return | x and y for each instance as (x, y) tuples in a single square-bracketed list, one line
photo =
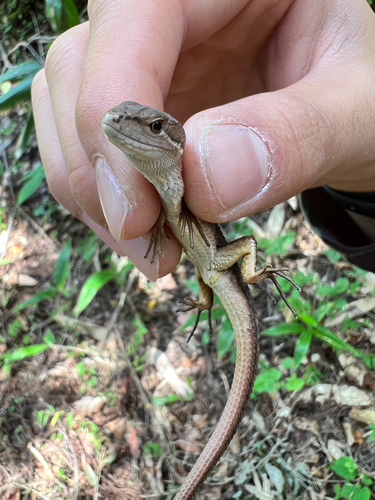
[(239, 305)]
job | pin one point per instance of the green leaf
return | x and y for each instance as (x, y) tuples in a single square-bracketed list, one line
[(347, 490), (341, 285), (49, 337), (304, 279), (333, 255), (62, 268), (302, 346), (27, 70), (24, 136), (122, 274), (153, 448), (284, 329), (61, 14), (288, 362), (31, 186), (349, 323), (355, 492), (371, 437), (312, 375), (171, 398), (293, 383), (345, 467), (35, 299), (225, 338), (71, 13), (53, 11), (324, 309), (337, 490), (70, 420), (362, 493), (277, 245), (138, 335), (91, 287), (328, 336), (366, 480), (16, 94), (267, 381), (88, 246), (23, 352), (15, 327)]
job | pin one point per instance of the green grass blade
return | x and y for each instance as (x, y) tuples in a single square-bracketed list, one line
[(302, 346), (25, 135), (35, 299), (23, 352), (32, 185), (91, 287), (53, 11), (284, 329), (62, 268), (24, 70), (71, 13), (16, 94)]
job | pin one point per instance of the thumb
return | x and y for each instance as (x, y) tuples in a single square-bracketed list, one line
[(251, 154)]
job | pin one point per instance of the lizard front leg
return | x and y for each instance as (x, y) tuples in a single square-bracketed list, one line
[(204, 303), (187, 219), (246, 248), (155, 245)]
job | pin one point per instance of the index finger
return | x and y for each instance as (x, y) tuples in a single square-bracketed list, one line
[(132, 51)]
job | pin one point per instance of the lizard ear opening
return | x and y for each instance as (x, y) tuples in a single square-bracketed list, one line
[(156, 126)]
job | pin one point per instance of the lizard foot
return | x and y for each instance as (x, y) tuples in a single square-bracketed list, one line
[(269, 272), (192, 304), (156, 241), (187, 218)]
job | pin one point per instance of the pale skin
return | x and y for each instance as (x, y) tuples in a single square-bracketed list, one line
[(277, 96)]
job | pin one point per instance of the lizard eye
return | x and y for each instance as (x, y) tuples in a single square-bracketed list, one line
[(156, 126)]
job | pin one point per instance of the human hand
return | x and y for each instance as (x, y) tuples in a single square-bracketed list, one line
[(278, 97)]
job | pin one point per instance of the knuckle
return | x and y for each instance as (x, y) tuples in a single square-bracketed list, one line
[(61, 55), (39, 82)]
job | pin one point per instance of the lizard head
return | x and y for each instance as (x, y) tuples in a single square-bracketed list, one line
[(153, 141), (143, 133)]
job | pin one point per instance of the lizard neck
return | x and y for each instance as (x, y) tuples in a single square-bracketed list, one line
[(166, 176), (171, 190)]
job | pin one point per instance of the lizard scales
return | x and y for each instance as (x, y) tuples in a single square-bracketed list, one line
[(154, 141)]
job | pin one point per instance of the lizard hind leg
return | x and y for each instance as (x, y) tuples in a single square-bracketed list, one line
[(204, 303), (246, 248)]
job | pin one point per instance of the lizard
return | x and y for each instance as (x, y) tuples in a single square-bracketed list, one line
[(154, 141)]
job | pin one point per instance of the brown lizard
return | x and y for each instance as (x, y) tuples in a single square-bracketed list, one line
[(154, 142)]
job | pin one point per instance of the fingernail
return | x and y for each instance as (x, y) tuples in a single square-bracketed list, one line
[(114, 203), (237, 162)]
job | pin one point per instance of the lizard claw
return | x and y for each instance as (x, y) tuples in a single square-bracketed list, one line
[(155, 245), (192, 304), (270, 272), (187, 218)]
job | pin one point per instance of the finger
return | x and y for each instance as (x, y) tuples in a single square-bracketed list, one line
[(131, 55), (116, 70), (57, 177), (64, 69), (249, 155), (49, 145)]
